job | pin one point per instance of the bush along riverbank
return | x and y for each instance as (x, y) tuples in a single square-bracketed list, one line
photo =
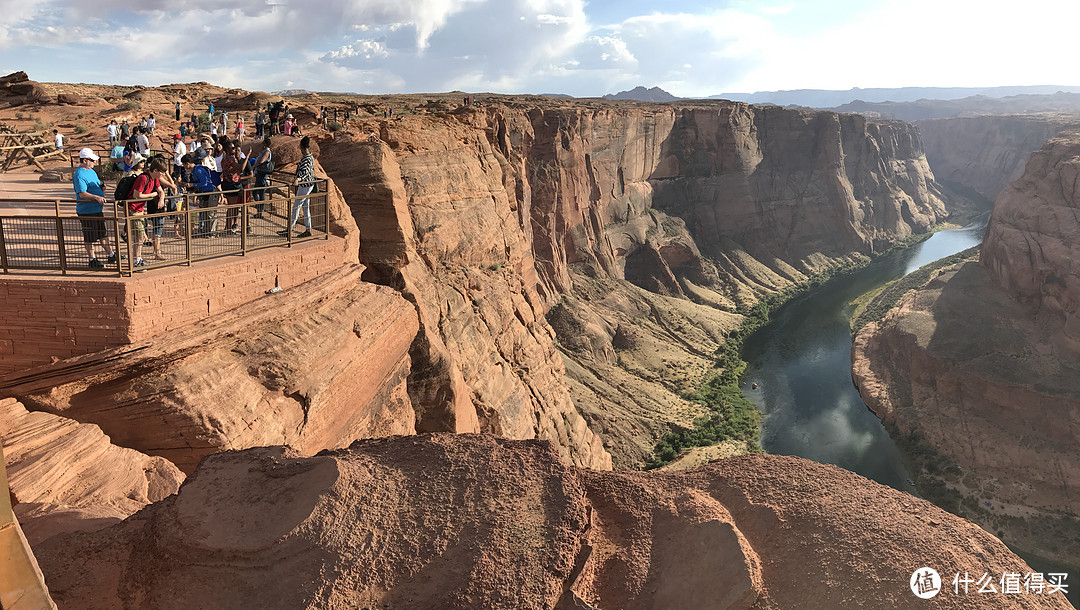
[(733, 417)]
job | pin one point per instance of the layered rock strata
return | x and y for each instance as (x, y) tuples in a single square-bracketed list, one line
[(65, 476), (986, 153), (977, 372), (315, 366), (469, 521), (650, 224)]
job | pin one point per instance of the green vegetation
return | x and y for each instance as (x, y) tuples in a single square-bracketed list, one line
[(732, 416), (81, 129), (202, 123), (41, 126), (334, 126), (879, 302)]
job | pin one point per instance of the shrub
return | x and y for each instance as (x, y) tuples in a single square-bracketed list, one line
[(203, 122), (334, 126), (19, 116), (129, 105), (81, 129)]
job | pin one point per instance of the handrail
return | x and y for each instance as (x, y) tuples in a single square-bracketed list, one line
[(201, 229)]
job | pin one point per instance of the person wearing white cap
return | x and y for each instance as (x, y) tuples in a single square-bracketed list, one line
[(89, 199)]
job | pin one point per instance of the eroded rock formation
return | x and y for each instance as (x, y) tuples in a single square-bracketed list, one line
[(65, 476), (314, 366), (977, 372), (470, 521)]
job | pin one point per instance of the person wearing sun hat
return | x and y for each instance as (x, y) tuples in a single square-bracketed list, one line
[(89, 206)]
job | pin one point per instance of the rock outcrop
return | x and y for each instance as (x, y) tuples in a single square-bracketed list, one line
[(17, 89), (65, 476), (469, 521), (315, 366), (977, 372)]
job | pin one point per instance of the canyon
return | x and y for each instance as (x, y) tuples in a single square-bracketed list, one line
[(975, 373), (561, 272)]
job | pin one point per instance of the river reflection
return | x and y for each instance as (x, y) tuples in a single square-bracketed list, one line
[(801, 363)]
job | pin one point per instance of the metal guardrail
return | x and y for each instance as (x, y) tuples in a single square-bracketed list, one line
[(202, 228)]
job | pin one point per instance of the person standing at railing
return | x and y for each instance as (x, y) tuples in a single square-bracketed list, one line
[(146, 195), (200, 182), (232, 169), (114, 132), (264, 166), (304, 182), (89, 206)]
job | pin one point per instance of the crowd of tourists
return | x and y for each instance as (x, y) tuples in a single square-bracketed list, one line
[(212, 166)]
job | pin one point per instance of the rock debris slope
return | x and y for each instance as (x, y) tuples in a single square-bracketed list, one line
[(469, 521)]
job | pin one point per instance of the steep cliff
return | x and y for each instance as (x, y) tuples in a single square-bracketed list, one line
[(986, 153), (470, 521), (977, 372), (639, 230)]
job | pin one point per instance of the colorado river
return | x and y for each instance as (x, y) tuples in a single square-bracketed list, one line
[(801, 363)]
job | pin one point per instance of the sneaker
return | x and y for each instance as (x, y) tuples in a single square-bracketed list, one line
[(139, 262), (305, 233), (96, 264), (283, 232), (234, 231), (112, 259)]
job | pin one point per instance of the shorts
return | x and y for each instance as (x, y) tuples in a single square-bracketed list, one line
[(93, 230), (138, 226), (158, 224)]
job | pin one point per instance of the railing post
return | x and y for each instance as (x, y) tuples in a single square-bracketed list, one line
[(3, 248), (130, 247), (60, 240), (187, 230)]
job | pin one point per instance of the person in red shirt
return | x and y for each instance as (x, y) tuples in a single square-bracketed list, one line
[(147, 187)]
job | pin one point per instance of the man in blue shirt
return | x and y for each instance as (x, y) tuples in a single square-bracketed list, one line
[(89, 199)]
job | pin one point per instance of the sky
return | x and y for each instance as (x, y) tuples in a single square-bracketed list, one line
[(690, 48)]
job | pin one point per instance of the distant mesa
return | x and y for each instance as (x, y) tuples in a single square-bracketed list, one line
[(641, 94), (828, 99)]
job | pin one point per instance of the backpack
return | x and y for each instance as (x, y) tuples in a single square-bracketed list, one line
[(123, 188)]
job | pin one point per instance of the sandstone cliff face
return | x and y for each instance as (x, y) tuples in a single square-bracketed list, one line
[(314, 366), (1031, 247), (980, 366), (659, 220), (65, 476), (469, 521), (986, 153), (970, 382)]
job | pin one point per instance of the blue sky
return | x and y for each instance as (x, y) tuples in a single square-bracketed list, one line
[(579, 47)]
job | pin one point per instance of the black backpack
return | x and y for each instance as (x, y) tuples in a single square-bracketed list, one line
[(123, 188)]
